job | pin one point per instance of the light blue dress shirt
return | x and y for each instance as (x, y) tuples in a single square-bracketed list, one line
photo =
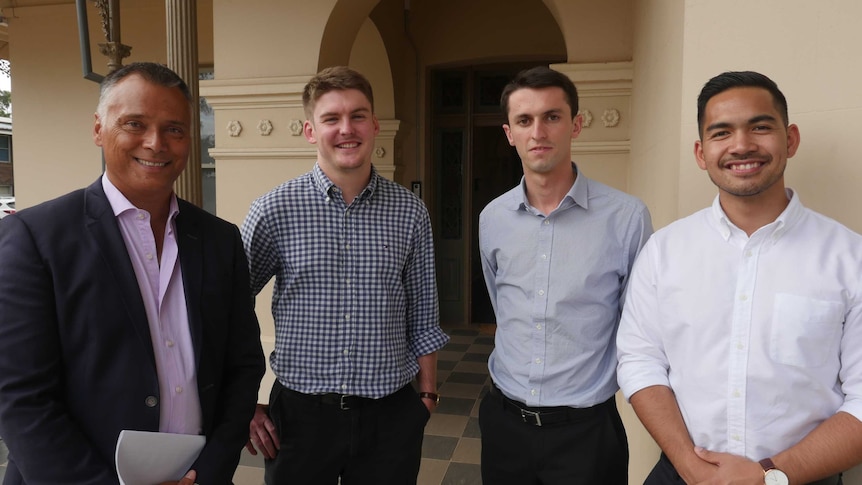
[(556, 284)]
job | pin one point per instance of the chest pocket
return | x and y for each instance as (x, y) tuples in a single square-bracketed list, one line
[(805, 331)]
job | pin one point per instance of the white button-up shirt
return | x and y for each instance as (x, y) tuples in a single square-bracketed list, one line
[(759, 337)]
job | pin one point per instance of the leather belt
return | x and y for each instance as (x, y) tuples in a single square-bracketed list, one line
[(345, 402), (548, 416)]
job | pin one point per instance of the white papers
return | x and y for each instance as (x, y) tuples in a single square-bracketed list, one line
[(148, 458)]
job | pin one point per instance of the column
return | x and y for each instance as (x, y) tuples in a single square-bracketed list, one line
[(182, 44)]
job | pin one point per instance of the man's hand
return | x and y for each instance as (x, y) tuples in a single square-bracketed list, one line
[(189, 479), (732, 469), (262, 434), (429, 403)]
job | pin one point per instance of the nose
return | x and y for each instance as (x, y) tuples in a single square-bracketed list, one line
[(539, 130), (345, 127), (742, 142), (154, 140)]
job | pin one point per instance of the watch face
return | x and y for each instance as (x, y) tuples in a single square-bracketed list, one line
[(776, 477)]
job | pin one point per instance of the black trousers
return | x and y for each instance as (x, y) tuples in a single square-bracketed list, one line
[(664, 473), (376, 441), (588, 448)]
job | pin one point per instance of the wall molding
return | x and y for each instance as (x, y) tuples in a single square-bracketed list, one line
[(601, 147), (254, 93)]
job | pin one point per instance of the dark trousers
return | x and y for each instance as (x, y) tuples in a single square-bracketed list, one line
[(589, 449), (376, 441), (664, 473)]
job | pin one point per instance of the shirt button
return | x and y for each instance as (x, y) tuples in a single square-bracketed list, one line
[(347, 246), (743, 297), (736, 437), (344, 387), (547, 222), (748, 254), (538, 326), (739, 346), (345, 351), (150, 256), (169, 343), (538, 360), (533, 392), (736, 393), (541, 292), (347, 317), (151, 401), (179, 389), (544, 256), (141, 216)]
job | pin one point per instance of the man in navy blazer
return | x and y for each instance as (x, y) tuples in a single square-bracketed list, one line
[(124, 307)]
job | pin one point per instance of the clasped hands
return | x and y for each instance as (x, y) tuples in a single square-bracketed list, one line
[(716, 468)]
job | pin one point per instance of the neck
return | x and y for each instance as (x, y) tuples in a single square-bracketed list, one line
[(753, 212), (545, 191), (351, 182)]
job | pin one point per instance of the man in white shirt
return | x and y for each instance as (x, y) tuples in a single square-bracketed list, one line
[(740, 345)]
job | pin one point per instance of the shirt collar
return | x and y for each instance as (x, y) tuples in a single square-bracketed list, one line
[(120, 204), (788, 217), (579, 193), (326, 186)]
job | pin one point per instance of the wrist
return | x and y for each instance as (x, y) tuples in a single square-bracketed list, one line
[(430, 396)]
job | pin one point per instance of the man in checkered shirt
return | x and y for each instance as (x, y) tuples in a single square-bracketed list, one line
[(354, 304)]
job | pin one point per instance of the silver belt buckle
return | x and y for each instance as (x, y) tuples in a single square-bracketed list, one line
[(536, 417), (343, 404)]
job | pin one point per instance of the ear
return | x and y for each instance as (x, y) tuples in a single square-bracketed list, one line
[(308, 131), (508, 132), (577, 126), (97, 130), (698, 154), (376, 124), (793, 140)]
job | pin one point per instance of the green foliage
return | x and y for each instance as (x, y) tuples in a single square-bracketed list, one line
[(5, 103)]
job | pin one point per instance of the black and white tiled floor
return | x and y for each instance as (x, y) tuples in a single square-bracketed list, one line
[(451, 447)]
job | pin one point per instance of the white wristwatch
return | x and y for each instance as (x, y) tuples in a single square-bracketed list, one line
[(771, 474)]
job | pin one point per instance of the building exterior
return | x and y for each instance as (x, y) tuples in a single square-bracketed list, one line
[(435, 66), (7, 179)]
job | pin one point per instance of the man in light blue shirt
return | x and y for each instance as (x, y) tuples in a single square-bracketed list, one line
[(556, 253)]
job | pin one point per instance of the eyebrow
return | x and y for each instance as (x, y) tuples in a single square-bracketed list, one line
[(554, 111), (751, 121), (334, 113)]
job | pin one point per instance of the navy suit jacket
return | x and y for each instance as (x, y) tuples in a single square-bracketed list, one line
[(76, 358)]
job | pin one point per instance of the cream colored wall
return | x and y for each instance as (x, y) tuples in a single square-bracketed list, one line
[(595, 31)]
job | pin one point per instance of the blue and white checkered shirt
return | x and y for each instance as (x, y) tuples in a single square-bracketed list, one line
[(355, 298)]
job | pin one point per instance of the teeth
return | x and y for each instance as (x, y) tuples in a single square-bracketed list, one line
[(148, 163), (348, 145), (746, 166)]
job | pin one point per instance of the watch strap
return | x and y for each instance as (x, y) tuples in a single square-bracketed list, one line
[(767, 465), (430, 395)]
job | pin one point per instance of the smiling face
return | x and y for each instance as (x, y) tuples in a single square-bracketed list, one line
[(143, 129), (541, 127), (343, 127), (744, 146)]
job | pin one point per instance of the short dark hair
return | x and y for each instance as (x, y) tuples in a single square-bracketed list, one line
[(336, 78), (739, 79), (151, 72), (537, 78)]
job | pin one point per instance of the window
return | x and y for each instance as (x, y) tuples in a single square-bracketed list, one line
[(5, 142), (208, 173)]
